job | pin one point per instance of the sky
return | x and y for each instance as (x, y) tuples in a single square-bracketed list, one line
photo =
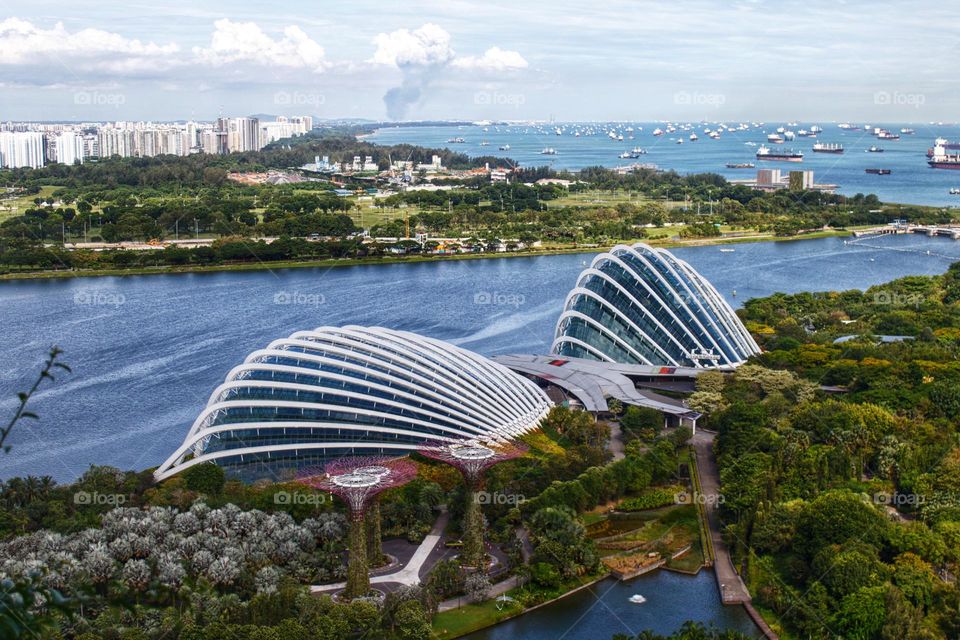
[(770, 60)]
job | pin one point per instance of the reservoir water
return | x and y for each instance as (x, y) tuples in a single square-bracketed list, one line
[(604, 609), (147, 351)]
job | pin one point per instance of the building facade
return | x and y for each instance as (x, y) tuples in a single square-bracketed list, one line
[(337, 392), (640, 305)]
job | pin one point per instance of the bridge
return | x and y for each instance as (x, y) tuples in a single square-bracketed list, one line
[(897, 229)]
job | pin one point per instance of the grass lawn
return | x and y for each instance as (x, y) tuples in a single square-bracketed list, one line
[(458, 622), (597, 198), (16, 206)]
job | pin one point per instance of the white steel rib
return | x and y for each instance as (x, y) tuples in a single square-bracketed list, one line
[(679, 309), (357, 389)]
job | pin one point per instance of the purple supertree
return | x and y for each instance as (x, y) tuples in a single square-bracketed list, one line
[(357, 481), (472, 460)]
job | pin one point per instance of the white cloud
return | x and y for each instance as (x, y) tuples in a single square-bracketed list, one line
[(246, 42), (23, 43), (493, 59), (429, 45)]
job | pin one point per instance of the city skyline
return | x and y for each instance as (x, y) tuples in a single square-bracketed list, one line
[(423, 60)]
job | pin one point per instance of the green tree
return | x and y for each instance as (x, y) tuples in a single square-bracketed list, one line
[(207, 478)]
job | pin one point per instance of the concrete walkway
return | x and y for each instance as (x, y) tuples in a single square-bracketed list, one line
[(495, 590), (615, 446), (732, 589), (410, 573)]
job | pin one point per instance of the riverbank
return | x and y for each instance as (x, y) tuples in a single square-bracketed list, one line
[(666, 243), (469, 618)]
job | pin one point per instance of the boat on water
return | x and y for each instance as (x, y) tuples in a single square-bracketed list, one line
[(504, 147), (954, 191), (549, 151), (944, 158), (827, 147), (740, 165), (658, 131), (637, 599), (456, 141), (775, 138), (634, 153), (907, 131), (727, 250), (875, 149), (882, 172), (785, 155), (693, 137)]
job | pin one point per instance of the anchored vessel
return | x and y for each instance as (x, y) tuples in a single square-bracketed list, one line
[(828, 147), (944, 158), (786, 155)]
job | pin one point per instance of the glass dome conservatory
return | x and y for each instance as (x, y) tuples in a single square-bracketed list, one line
[(334, 392), (640, 305)]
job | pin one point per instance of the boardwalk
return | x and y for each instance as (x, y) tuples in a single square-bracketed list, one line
[(732, 589)]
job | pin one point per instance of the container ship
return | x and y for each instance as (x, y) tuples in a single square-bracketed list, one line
[(828, 147), (942, 142), (784, 155), (942, 158)]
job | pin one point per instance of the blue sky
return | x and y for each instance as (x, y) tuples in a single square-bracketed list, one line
[(615, 60)]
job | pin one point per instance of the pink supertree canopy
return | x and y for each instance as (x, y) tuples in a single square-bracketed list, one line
[(472, 458), (358, 480)]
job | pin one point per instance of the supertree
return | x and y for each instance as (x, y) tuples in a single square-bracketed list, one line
[(473, 459), (357, 481)]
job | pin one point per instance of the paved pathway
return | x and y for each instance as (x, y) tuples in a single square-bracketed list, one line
[(616, 441), (732, 589), (410, 573)]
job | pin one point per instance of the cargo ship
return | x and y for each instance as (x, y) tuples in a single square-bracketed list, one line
[(942, 158), (740, 165), (879, 172), (828, 147), (942, 142), (784, 155)]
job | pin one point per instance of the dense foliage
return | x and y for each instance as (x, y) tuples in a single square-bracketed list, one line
[(840, 461)]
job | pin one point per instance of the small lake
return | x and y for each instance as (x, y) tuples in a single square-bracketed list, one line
[(599, 612)]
